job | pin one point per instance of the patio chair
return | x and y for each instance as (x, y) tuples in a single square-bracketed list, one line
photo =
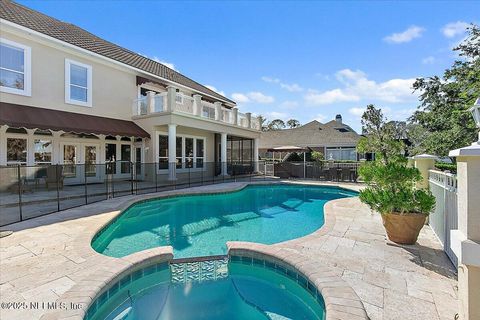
[(54, 177), (333, 173), (345, 174)]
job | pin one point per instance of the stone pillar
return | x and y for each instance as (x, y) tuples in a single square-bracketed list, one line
[(424, 162), (150, 102), (465, 241), (197, 105), (223, 154), (3, 145), (171, 95), (249, 119), (235, 116), (218, 111), (255, 154), (172, 151)]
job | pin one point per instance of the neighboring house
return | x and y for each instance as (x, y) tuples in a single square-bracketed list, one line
[(69, 97), (334, 139)]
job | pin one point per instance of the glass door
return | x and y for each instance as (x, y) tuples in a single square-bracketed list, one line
[(71, 160), (91, 167)]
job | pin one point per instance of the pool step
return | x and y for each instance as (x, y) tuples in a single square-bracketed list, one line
[(191, 270)]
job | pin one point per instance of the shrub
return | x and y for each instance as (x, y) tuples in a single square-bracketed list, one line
[(442, 166), (391, 189), (317, 156)]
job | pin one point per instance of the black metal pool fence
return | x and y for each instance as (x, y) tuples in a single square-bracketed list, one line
[(31, 191)]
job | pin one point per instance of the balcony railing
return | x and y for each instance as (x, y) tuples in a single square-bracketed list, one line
[(184, 104)]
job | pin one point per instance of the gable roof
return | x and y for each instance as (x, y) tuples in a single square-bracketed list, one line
[(81, 38), (311, 134)]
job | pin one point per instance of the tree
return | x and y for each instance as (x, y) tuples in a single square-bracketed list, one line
[(317, 156), (443, 117), (276, 124), (292, 123), (381, 137)]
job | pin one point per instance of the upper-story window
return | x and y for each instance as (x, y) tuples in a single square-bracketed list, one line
[(15, 68), (78, 83)]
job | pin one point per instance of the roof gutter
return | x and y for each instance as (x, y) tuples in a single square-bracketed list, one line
[(88, 52)]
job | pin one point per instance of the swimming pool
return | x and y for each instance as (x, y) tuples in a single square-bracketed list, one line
[(200, 225), (243, 288)]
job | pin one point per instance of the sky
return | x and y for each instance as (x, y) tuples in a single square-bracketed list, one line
[(288, 59)]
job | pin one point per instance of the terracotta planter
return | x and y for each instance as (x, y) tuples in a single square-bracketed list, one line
[(403, 229)]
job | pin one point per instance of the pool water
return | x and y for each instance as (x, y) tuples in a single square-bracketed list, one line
[(200, 225), (246, 292)]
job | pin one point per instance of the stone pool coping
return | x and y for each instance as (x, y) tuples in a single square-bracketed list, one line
[(90, 288), (341, 301)]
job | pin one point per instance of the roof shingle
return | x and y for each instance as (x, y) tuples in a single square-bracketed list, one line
[(81, 38), (311, 134)]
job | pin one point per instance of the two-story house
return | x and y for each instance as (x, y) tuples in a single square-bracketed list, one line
[(69, 97)]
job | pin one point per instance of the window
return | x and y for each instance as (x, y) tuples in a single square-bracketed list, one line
[(341, 153), (200, 153), (190, 152), (16, 151), (179, 152), (162, 152), (110, 156), (78, 83), (15, 68), (42, 151), (125, 153)]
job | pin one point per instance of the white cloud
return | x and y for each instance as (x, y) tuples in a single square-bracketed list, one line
[(357, 111), (253, 96), (288, 104), (165, 63), (215, 89), (240, 98), (405, 36), (453, 29), (321, 117), (429, 60), (357, 87), (328, 97), (277, 115), (293, 87)]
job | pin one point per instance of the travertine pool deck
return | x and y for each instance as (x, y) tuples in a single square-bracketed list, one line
[(48, 256)]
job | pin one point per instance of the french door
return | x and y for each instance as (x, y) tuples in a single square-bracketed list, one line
[(80, 162)]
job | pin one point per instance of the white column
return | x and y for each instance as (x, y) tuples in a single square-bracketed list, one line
[(30, 151), (57, 148), (101, 151), (197, 105), (218, 111), (235, 116), (255, 154), (3, 145), (223, 153), (171, 95), (150, 102), (249, 119), (172, 151), (465, 241)]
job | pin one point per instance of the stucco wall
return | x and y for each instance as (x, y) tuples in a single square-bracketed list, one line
[(113, 88)]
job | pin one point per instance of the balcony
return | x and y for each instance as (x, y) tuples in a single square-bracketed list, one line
[(161, 103)]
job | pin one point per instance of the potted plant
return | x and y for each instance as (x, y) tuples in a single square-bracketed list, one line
[(391, 184)]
